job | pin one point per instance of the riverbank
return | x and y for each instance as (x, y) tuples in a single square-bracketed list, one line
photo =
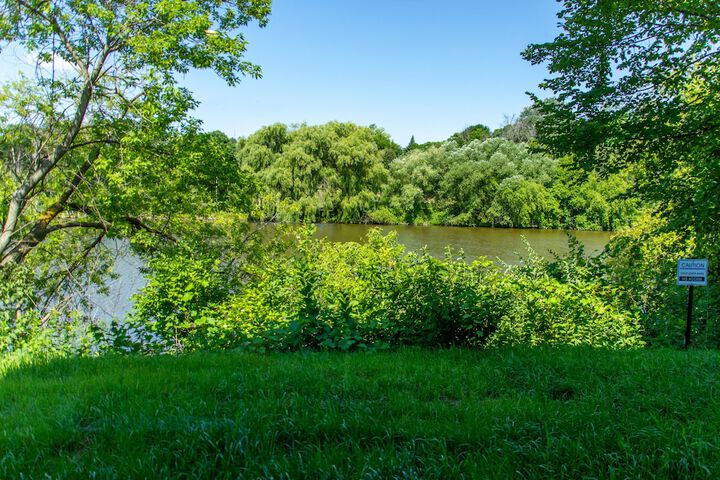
[(497, 413), (503, 246)]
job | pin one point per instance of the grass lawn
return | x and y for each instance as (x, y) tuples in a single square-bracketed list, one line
[(543, 413)]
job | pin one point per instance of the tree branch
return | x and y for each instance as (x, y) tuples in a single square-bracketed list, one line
[(93, 142), (141, 225), (69, 272), (16, 253), (79, 224), (82, 67)]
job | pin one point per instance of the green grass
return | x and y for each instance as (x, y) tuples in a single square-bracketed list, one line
[(544, 413)]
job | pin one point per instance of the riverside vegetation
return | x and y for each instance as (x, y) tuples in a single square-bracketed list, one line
[(130, 163), (109, 151)]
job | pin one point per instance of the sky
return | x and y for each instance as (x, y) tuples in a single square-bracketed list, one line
[(417, 68), (413, 67)]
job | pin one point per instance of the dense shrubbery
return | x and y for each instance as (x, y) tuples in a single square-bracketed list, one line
[(643, 259), (299, 293), (348, 296), (562, 301)]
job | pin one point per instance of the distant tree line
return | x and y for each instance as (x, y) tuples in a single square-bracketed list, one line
[(341, 172)]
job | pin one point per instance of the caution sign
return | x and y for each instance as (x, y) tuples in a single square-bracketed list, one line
[(692, 272)]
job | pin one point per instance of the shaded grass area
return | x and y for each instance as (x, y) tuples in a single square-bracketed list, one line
[(533, 413)]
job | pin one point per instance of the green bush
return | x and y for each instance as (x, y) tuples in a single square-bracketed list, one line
[(18, 320), (347, 296), (383, 216), (643, 259), (180, 300), (549, 312), (33, 324), (566, 301)]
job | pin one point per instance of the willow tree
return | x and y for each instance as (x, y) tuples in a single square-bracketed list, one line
[(96, 140), (331, 172)]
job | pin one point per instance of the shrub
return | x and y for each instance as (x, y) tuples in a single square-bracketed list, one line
[(549, 312), (31, 325), (348, 296), (643, 259), (566, 301)]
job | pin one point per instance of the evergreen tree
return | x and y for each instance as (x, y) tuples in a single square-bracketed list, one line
[(412, 144)]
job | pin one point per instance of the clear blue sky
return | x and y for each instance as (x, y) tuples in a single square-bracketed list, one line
[(413, 67)]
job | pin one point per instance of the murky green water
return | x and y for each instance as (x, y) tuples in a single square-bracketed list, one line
[(498, 244)]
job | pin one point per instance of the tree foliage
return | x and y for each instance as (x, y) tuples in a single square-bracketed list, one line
[(497, 182), (333, 172), (521, 129), (473, 132), (345, 173), (636, 88), (98, 144), (66, 132), (637, 83)]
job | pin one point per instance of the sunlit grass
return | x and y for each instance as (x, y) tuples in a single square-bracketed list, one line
[(547, 413)]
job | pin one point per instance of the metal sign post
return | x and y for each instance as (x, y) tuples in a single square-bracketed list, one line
[(691, 272), (688, 323)]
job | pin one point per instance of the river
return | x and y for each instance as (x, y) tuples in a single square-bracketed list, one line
[(502, 245), (498, 244)]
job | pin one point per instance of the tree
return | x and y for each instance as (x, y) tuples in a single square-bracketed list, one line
[(121, 59), (473, 132), (390, 149), (411, 144), (637, 84), (636, 87), (331, 172), (519, 129), (98, 143)]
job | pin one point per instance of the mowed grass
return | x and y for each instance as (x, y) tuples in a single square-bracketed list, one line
[(532, 413)]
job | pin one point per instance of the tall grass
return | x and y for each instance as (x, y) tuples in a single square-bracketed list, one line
[(535, 413)]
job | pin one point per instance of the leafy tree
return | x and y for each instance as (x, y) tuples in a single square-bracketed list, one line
[(637, 86), (467, 190), (332, 172), (124, 57), (524, 203), (501, 183), (390, 149), (637, 83), (103, 147), (473, 132), (520, 129)]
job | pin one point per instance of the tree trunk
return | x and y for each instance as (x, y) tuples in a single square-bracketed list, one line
[(15, 253)]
